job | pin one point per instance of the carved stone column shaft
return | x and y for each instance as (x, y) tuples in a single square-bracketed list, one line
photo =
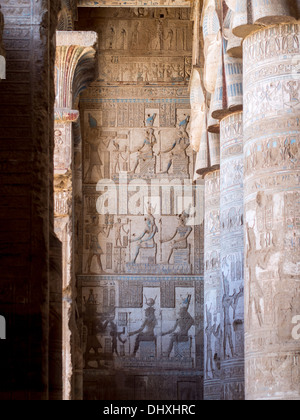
[(272, 208), (212, 289), (75, 51), (232, 256)]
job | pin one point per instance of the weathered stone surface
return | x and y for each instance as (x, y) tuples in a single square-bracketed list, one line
[(271, 132)]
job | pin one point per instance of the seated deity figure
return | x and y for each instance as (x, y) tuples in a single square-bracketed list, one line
[(146, 333), (178, 155), (147, 239), (180, 237), (180, 332)]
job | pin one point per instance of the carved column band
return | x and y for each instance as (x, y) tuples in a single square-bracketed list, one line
[(213, 289), (232, 256), (272, 208)]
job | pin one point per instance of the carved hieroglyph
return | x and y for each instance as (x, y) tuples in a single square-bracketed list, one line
[(272, 173), (212, 290), (232, 256)]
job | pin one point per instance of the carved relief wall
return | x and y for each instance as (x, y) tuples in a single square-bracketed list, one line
[(141, 258)]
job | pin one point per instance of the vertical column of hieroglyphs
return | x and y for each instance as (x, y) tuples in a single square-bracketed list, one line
[(232, 256), (141, 290), (272, 197), (212, 289)]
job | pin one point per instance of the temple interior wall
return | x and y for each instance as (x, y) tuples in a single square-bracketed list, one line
[(141, 259)]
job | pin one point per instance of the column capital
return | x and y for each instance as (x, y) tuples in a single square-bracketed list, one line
[(73, 50), (65, 116)]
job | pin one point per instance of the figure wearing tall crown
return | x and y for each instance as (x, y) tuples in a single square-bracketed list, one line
[(179, 240), (147, 239), (146, 332), (180, 332)]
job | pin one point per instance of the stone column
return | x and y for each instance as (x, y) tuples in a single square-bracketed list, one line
[(63, 226), (197, 59), (272, 208), (212, 289), (232, 256), (224, 250), (74, 54)]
